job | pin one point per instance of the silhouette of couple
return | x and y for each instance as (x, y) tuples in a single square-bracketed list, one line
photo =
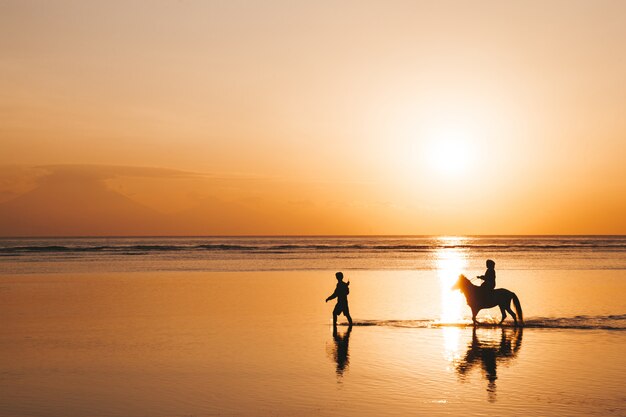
[(343, 289)]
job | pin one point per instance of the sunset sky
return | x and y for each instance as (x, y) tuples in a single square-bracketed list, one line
[(293, 117)]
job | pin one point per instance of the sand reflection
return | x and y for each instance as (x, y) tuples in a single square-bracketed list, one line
[(449, 263), (486, 351)]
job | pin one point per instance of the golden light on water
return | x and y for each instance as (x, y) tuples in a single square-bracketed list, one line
[(451, 340), (450, 262)]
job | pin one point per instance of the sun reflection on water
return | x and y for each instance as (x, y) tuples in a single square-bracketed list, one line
[(450, 262), (451, 340)]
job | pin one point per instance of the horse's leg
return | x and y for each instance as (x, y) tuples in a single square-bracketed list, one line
[(508, 308), (502, 310), (474, 313)]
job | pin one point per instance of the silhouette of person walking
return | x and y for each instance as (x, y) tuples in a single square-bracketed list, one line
[(489, 279), (341, 294), (340, 351)]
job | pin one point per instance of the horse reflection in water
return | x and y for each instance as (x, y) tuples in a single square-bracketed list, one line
[(339, 350), (488, 353)]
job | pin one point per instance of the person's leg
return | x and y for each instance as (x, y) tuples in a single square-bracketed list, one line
[(336, 312), (346, 312)]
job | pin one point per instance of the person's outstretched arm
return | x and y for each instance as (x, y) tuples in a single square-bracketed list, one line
[(333, 295)]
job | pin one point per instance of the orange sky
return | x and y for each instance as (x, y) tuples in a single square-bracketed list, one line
[(285, 117)]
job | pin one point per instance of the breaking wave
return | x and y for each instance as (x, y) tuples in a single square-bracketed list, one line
[(611, 322)]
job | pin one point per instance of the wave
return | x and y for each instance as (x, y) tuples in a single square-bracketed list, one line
[(321, 245), (612, 322), (65, 249)]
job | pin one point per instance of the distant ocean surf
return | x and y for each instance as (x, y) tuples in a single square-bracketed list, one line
[(27, 255)]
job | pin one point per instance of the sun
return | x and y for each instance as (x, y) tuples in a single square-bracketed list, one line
[(449, 152)]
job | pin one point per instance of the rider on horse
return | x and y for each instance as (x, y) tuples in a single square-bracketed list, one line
[(489, 279)]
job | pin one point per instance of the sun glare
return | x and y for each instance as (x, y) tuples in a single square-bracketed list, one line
[(451, 341), (449, 152), (450, 262)]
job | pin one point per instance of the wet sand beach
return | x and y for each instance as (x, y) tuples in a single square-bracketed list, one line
[(261, 343)]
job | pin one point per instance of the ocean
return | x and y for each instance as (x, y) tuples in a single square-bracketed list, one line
[(238, 326), (217, 254)]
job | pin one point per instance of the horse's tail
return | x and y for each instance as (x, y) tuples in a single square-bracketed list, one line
[(518, 309)]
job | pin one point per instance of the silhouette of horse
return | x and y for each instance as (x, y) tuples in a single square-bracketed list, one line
[(488, 353), (478, 298)]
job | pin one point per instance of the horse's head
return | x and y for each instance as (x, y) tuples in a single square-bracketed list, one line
[(459, 283)]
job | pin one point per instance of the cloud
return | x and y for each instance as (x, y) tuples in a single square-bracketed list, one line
[(74, 201), (104, 172), (70, 200)]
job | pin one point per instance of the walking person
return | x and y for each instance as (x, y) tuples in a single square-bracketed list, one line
[(341, 294)]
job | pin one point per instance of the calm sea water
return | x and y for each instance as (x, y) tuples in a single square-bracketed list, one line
[(239, 327)]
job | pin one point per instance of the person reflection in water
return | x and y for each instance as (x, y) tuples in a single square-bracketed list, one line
[(340, 352), (488, 354), (489, 279), (341, 294)]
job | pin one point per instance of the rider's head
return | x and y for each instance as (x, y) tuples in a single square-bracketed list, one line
[(339, 276), (490, 263)]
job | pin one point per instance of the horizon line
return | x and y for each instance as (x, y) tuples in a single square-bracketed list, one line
[(304, 236)]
